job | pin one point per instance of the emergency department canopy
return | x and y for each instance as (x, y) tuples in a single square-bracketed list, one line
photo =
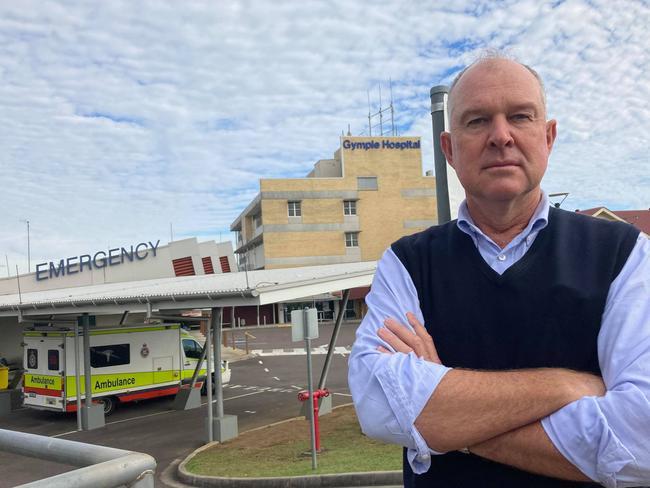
[(203, 291)]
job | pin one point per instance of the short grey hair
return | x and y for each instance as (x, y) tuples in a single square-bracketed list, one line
[(495, 54)]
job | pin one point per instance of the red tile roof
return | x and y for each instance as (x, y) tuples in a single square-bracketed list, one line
[(638, 218)]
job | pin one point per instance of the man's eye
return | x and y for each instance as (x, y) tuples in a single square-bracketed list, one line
[(522, 117), (476, 121)]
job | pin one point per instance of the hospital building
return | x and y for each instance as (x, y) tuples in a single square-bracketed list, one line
[(348, 208)]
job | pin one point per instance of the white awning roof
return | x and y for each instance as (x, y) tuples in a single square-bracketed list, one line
[(204, 291)]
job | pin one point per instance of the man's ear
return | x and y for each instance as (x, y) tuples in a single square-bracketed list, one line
[(551, 133), (445, 145)]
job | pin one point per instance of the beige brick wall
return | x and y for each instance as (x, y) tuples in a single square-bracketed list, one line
[(274, 212), (299, 244), (381, 218), (306, 184), (322, 211)]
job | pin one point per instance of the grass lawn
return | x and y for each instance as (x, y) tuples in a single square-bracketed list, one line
[(284, 450)]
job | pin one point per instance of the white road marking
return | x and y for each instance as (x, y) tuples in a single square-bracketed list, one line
[(266, 370), (268, 389), (296, 387), (65, 433), (241, 396), (299, 351), (276, 378), (342, 394), (261, 362)]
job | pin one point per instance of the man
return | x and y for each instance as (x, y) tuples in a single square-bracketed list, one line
[(532, 366)]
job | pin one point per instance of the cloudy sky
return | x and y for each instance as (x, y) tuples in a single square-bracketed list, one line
[(120, 117)]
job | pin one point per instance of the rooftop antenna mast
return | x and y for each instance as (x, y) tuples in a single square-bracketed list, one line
[(369, 116), (392, 112), (380, 114), (20, 296)]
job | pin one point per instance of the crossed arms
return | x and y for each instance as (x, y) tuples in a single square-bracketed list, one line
[(562, 419), (495, 414)]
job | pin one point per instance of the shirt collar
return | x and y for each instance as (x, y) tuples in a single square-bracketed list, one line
[(538, 221)]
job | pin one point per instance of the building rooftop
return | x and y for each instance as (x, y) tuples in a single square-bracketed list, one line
[(638, 218)]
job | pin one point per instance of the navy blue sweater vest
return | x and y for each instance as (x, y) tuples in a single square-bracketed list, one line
[(544, 311)]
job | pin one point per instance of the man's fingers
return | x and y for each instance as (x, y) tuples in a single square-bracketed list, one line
[(406, 336), (393, 341), (384, 350), (422, 333)]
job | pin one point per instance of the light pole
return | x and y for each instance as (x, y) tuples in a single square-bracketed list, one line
[(6, 266), (29, 257), (439, 95)]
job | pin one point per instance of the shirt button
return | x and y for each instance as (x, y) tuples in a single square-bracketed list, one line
[(501, 257)]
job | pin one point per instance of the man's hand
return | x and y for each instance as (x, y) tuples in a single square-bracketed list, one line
[(401, 339), (469, 407)]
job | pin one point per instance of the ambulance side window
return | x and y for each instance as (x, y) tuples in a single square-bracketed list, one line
[(52, 360), (111, 355), (192, 349)]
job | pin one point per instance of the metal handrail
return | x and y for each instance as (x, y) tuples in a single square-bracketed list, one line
[(100, 467)]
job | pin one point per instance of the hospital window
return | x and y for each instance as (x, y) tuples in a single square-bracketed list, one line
[(351, 239), (294, 209), (349, 207), (366, 182)]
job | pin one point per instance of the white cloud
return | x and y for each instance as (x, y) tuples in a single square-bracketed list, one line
[(119, 117)]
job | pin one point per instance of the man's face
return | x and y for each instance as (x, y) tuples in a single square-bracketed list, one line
[(499, 140)]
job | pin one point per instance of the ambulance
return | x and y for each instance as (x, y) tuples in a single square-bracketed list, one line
[(128, 363)]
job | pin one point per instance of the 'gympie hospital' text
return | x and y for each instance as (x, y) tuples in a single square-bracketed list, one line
[(385, 144)]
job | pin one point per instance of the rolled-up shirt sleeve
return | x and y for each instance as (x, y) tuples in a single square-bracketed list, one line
[(608, 438), (390, 390)]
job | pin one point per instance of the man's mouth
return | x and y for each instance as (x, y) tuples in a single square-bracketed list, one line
[(501, 164)]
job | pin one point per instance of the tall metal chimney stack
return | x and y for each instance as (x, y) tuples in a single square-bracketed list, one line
[(439, 96)]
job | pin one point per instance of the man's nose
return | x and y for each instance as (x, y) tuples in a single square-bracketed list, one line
[(500, 132)]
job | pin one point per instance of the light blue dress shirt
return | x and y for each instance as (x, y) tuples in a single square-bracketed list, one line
[(607, 438)]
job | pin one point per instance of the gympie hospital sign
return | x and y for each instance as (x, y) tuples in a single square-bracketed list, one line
[(385, 144), (101, 259)]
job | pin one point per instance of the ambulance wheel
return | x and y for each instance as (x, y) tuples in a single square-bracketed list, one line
[(110, 403), (204, 388)]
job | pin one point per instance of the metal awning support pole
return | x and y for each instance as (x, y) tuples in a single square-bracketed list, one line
[(223, 427), (93, 415), (335, 335), (85, 323), (77, 374), (208, 379), (216, 338)]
